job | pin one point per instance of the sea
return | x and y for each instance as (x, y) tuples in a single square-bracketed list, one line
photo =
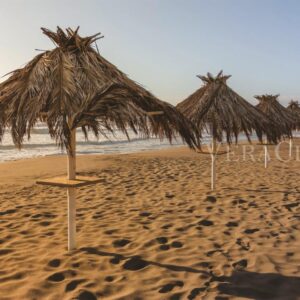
[(40, 144)]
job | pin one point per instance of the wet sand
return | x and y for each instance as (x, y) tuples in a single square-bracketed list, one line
[(152, 229)]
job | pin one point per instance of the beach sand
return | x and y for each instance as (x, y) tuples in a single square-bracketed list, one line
[(152, 229)]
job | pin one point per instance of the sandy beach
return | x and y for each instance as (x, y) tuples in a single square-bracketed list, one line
[(151, 229)]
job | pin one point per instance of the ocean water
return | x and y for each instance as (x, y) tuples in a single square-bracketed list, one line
[(40, 144)]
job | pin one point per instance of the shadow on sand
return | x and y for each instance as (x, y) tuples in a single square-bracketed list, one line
[(263, 190), (260, 286), (135, 263), (250, 285)]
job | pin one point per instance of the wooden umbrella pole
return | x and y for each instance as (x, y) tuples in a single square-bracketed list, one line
[(266, 155), (290, 149), (213, 164), (72, 193)]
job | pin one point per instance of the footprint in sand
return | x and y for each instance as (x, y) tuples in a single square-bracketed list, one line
[(54, 263), (167, 226), (170, 286), (72, 285), (291, 205), (181, 229), (36, 216), (86, 295), (244, 246), (25, 232), (162, 240), (232, 224), (121, 243), (240, 265), (206, 222), (49, 215), (145, 214), (116, 260), (9, 211), (97, 215), (252, 204), (164, 247), (239, 201), (211, 199), (50, 233), (195, 292), (5, 251), (169, 195), (56, 277), (135, 264), (176, 244), (76, 265), (45, 223), (109, 278), (250, 231), (111, 231)]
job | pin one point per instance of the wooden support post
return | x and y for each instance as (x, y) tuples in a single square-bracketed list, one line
[(266, 155), (213, 164), (72, 193), (290, 148)]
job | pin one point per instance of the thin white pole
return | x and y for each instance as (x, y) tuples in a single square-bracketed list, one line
[(290, 149), (213, 164), (72, 194), (266, 155)]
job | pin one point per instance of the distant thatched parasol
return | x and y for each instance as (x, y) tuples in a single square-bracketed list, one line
[(294, 108), (218, 109), (270, 106), (281, 116), (73, 86)]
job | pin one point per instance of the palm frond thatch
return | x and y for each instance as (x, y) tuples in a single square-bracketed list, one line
[(217, 108), (73, 85), (270, 106), (294, 108)]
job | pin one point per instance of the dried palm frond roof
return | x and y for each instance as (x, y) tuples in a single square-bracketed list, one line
[(282, 117), (216, 107), (294, 108), (73, 85)]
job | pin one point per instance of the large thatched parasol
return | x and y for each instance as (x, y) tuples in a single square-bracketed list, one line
[(218, 109), (73, 86), (281, 116)]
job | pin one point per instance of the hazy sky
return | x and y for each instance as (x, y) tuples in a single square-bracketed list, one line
[(164, 44)]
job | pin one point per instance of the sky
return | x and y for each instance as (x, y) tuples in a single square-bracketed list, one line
[(164, 44)]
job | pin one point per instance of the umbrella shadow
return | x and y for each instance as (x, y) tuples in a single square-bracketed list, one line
[(135, 262), (260, 286), (264, 190), (250, 285)]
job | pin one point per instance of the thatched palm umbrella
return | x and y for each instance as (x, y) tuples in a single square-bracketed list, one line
[(281, 116), (294, 108), (218, 109), (73, 86)]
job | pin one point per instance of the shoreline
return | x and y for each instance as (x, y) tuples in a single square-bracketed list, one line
[(26, 171)]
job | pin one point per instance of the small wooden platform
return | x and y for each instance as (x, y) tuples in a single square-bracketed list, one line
[(64, 182)]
